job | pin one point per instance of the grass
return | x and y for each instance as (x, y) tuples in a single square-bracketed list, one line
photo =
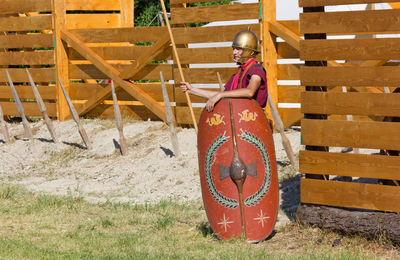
[(40, 226)]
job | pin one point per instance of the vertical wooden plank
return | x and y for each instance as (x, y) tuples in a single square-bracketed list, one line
[(60, 23), (269, 52), (127, 14)]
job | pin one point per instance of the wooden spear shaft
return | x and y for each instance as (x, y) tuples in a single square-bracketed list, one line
[(4, 128), (75, 116), (279, 126), (169, 116), (118, 121), (20, 108), (178, 62), (221, 86), (42, 107)]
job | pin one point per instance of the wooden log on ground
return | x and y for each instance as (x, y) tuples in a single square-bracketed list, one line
[(42, 107), (4, 128), (20, 108), (75, 116), (118, 121), (370, 224), (170, 117)]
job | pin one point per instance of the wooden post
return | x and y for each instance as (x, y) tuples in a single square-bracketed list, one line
[(170, 117), (268, 50), (4, 128), (127, 14), (118, 121), (20, 108), (281, 129), (221, 86), (60, 23), (75, 116), (178, 63), (322, 63), (42, 107)]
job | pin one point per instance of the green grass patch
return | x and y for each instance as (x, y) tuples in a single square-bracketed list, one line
[(40, 226)]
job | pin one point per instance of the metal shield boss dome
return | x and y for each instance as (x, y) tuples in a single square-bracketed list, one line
[(246, 40)]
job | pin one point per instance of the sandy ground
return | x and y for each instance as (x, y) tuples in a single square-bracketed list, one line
[(147, 174)]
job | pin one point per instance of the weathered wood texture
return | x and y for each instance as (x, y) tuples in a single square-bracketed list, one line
[(365, 77), (369, 224), (350, 194)]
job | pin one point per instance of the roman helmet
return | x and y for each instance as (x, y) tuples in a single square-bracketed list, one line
[(246, 40)]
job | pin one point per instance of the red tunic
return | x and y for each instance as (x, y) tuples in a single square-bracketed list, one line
[(256, 69)]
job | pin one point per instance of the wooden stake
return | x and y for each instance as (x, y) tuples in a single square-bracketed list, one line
[(221, 86), (42, 107), (170, 117), (4, 128), (75, 116), (279, 126), (118, 121), (20, 108), (178, 63)]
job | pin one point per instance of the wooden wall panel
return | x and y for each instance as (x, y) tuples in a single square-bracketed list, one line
[(373, 21), (289, 94), (351, 103), (285, 51), (26, 41), (173, 2), (290, 116), (288, 71), (374, 135), (215, 13), (31, 23), (351, 49), (23, 6), (27, 58), (353, 195), (204, 75), (354, 165), (354, 76)]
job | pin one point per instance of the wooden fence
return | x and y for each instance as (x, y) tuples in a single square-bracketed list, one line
[(95, 41), (371, 66)]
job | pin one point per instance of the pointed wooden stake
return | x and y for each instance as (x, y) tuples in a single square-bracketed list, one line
[(170, 117), (279, 126), (118, 121), (221, 86), (4, 127), (42, 107), (75, 116), (20, 108)]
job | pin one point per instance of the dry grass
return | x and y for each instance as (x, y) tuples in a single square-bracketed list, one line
[(38, 226)]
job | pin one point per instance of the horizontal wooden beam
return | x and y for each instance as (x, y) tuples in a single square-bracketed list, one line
[(27, 58), (87, 21), (30, 23), (349, 194), (30, 109), (215, 13), (173, 2), (93, 5), (350, 103), (36, 40), (25, 92), (24, 6), (19, 75), (350, 49), (182, 35), (356, 134), (351, 22), (350, 76), (311, 3), (350, 164)]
